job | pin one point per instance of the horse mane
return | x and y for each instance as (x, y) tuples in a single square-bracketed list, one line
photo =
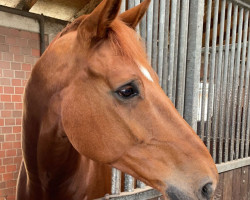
[(117, 37)]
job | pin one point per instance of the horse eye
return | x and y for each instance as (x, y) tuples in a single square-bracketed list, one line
[(127, 91)]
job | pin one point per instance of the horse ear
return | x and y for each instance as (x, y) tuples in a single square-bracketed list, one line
[(134, 15), (98, 22)]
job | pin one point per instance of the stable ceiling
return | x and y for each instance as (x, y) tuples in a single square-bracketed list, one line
[(60, 9)]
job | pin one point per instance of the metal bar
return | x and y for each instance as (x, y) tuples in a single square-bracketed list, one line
[(204, 86), (177, 25), (196, 13), (224, 85), (181, 65), (165, 50), (149, 30), (241, 3), (116, 181), (143, 28), (235, 88), (242, 76), (246, 106), (211, 74), (155, 35), (129, 183), (161, 39), (137, 2), (172, 48), (218, 82), (230, 80), (131, 4), (123, 6), (140, 184)]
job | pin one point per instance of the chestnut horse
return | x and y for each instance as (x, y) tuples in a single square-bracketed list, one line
[(93, 102)]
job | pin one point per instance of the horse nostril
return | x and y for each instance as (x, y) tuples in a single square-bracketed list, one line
[(207, 191)]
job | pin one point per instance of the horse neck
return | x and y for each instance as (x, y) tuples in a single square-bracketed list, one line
[(51, 160)]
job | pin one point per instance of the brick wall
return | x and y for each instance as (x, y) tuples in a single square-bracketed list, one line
[(19, 50)]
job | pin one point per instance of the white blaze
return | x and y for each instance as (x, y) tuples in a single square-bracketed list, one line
[(145, 73)]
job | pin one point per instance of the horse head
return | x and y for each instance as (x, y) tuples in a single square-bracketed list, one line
[(113, 110)]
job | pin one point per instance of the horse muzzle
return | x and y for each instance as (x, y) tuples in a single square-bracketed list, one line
[(205, 192)]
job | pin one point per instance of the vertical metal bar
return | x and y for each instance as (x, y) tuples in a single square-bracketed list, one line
[(236, 85), (140, 184), (224, 85), (165, 50), (143, 28), (181, 65), (211, 74), (149, 30), (155, 35), (193, 61), (131, 4), (247, 101), (123, 6), (230, 80), (129, 183), (116, 181), (176, 51), (218, 83), (206, 59), (242, 76), (161, 39), (172, 48), (137, 2)]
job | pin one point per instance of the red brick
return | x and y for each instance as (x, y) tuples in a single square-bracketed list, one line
[(17, 113), (7, 56), (4, 81), (17, 129), (2, 39), (5, 98), (11, 153), (16, 82), (2, 154), (24, 82), (27, 75), (7, 145), (11, 40), (9, 184), (26, 67), (15, 66), (4, 65), (21, 42), (14, 32), (9, 122), (8, 191), (2, 169), (19, 152), (35, 36), (18, 137), (29, 59), (15, 50), (8, 73), (7, 129), (10, 137), (19, 106), (1, 138), (18, 121), (8, 161), (26, 51), (2, 185), (1, 180), (25, 34), (4, 48), (35, 52), (4, 30), (5, 113), (8, 176), (19, 74), (35, 44), (1, 124), (17, 145), (9, 106), (18, 160), (19, 90), (16, 98), (1, 89), (18, 58)]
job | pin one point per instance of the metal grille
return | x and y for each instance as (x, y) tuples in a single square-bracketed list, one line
[(200, 50), (225, 113)]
